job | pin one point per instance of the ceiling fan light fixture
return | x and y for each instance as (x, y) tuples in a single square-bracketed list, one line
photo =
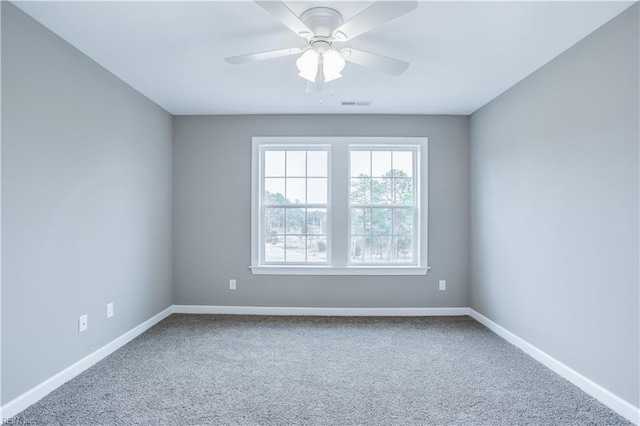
[(307, 64), (330, 63), (320, 77), (333, 64)]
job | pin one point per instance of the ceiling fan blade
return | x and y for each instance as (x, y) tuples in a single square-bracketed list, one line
[(281, 12), (253, 57), (375, 61), (376, 14)]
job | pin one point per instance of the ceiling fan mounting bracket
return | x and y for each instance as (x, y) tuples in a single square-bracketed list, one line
[(323, 21)]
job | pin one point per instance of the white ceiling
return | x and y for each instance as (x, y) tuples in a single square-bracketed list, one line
[(462, 54)]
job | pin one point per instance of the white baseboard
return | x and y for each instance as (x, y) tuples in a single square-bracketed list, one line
[(346, 312), (617, 404), (23, 401)]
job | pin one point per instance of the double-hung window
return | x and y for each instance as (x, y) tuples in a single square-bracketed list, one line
[(294, 200), (339, 206)]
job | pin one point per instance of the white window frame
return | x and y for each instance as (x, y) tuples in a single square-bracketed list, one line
[(381, 146), (291, 147), (338, 210)]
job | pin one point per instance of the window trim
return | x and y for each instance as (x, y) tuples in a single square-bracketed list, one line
[(421, 180)]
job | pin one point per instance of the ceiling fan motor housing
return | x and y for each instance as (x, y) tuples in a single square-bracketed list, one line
[(323, 21)]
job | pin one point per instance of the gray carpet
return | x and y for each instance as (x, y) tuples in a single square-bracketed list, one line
[(250, 370)]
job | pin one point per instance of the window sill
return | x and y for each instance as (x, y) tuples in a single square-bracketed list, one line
[(351, 270)]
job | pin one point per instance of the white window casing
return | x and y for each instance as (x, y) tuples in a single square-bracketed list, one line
[(339, 207)]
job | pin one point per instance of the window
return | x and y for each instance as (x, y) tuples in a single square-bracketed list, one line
[(340, 206), (382, 204), (295, 201)]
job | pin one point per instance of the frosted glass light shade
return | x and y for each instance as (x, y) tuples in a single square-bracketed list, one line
[(307, 63), (333, 64)]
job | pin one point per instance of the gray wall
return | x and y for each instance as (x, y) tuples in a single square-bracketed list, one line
[(554, 184), (87, 208), (212, 170), (86, 204)]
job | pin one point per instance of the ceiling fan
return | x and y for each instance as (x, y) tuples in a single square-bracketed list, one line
[(322, 27)]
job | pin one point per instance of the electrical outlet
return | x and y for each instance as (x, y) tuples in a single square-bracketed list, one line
[(83, 323), (232, 284), (443, 285), (109, 310)]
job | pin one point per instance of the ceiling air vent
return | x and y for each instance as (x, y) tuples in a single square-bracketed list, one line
[(356, 103)]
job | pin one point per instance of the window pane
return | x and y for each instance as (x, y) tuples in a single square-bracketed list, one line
[(403, 163), (273, 222), (403, 190), (402, 221), (381, 192), (275, 252), (361, 249), (296, 163), (403, 249), (296, 190), (360, 221), (316, 221), (317, 163), (317, 191), (360, 190), (382, 249), (295, 249), (317, 249), (360, 163), (274, 240), (274, 191), (381, 221), (274, 163), (380, 163), (295, 221)]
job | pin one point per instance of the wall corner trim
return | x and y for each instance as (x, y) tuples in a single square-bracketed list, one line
[(608, 398), (319, 311), (33, 395)]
